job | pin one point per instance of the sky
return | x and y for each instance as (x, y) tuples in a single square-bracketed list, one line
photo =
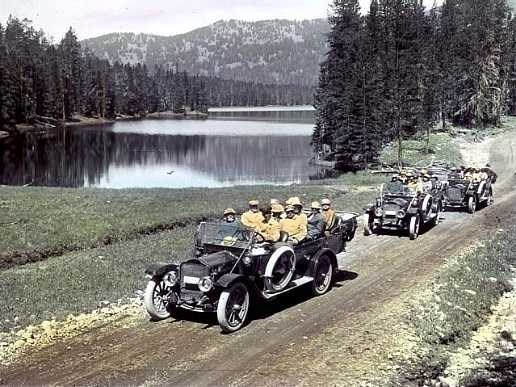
[(91, 18)]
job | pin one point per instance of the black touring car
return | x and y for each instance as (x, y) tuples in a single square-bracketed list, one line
[(234, 267)]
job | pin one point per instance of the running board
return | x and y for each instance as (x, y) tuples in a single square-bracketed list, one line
[(292, 285)]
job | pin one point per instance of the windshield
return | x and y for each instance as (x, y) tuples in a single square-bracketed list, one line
[(224, 234), (396, 188)]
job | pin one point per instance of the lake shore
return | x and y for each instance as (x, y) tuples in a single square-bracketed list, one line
[(82, 121)]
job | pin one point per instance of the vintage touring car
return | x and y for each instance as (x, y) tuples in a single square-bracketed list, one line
[(234, 267), (400, 208), (469, 193)]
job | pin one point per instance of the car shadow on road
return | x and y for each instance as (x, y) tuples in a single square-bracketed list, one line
[(296, 297)]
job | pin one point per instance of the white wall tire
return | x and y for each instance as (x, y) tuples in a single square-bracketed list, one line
[(233, 307), (323, 276), (414, 225), (280, 269), (472, 204), (156, 300)]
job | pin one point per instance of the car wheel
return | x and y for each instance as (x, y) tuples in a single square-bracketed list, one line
[(490, 198), (323, 276), (472, 204), (233, 307), (414, 225), (437, 214), (157, 299), (369, 226), (280, 269)]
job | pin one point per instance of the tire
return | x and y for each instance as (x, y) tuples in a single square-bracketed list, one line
[(280, 269), (414, 225), (472, 204), (369, 226), (233, 307), (156, 301), (323, 276), (490, 198), (437, 214)]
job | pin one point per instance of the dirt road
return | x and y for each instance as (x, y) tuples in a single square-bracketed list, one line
[(294, 341)]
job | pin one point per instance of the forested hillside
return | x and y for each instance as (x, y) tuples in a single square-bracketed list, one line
[(43, 80), (274, 51), (398, 70)]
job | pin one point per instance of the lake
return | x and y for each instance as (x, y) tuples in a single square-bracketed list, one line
[(218, 152)]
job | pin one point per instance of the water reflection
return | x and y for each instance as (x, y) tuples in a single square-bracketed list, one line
[(175, 155)]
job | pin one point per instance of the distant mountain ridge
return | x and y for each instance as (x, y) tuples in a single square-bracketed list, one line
[(270, 51)]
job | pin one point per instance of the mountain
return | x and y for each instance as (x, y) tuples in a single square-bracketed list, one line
[(271, 51)]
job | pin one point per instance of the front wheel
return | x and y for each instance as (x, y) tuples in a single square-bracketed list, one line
[(437, 214), (414, 227), (472, 204), (323, 276), (157, 299), (233, 307)]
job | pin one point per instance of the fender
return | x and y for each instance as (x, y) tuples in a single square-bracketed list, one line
[(315, 258), (226, 280), (159, 269)]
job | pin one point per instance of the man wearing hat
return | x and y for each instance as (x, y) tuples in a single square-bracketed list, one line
[(298, 209), (328, 213), (253, 218), (316, 222), (271, 229), (296, 230), (229, 215)]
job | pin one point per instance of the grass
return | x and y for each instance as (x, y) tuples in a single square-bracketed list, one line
[(461, 298), (40, 222), (78, 281), (414, 150)]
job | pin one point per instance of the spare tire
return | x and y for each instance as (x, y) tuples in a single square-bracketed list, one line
[(280, 269)]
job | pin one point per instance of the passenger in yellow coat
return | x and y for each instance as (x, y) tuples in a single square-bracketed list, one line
[(328, 213), (298, 210), (293, 226), (271, 229), (253, 219)]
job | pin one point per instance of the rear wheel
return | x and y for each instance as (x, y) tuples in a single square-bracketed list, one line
[(369, 225), (323, 276), (414, 225), (157, 299), (233, 307), (490, 198), (472, 204)]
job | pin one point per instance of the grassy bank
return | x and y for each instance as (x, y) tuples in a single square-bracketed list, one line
[(441, 147), (457, 305), (40, 222)]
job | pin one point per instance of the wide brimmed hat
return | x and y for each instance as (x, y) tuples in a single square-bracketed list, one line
[(326, 201), (277, 208), (254, 202), (294, 201), (289, 208), (229, 211), (316, 205)]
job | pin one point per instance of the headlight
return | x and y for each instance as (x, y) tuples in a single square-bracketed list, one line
[(247, 260), (378, 212), (401, 214), (170, 278), (205, 284)]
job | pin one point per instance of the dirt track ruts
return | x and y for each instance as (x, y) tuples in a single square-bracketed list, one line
[(194, 352)]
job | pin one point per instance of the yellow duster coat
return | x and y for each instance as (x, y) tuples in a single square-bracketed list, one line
[(252, 220), (295, 227)]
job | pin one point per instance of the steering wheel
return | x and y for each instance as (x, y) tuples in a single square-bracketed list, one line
[(259, 238)]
